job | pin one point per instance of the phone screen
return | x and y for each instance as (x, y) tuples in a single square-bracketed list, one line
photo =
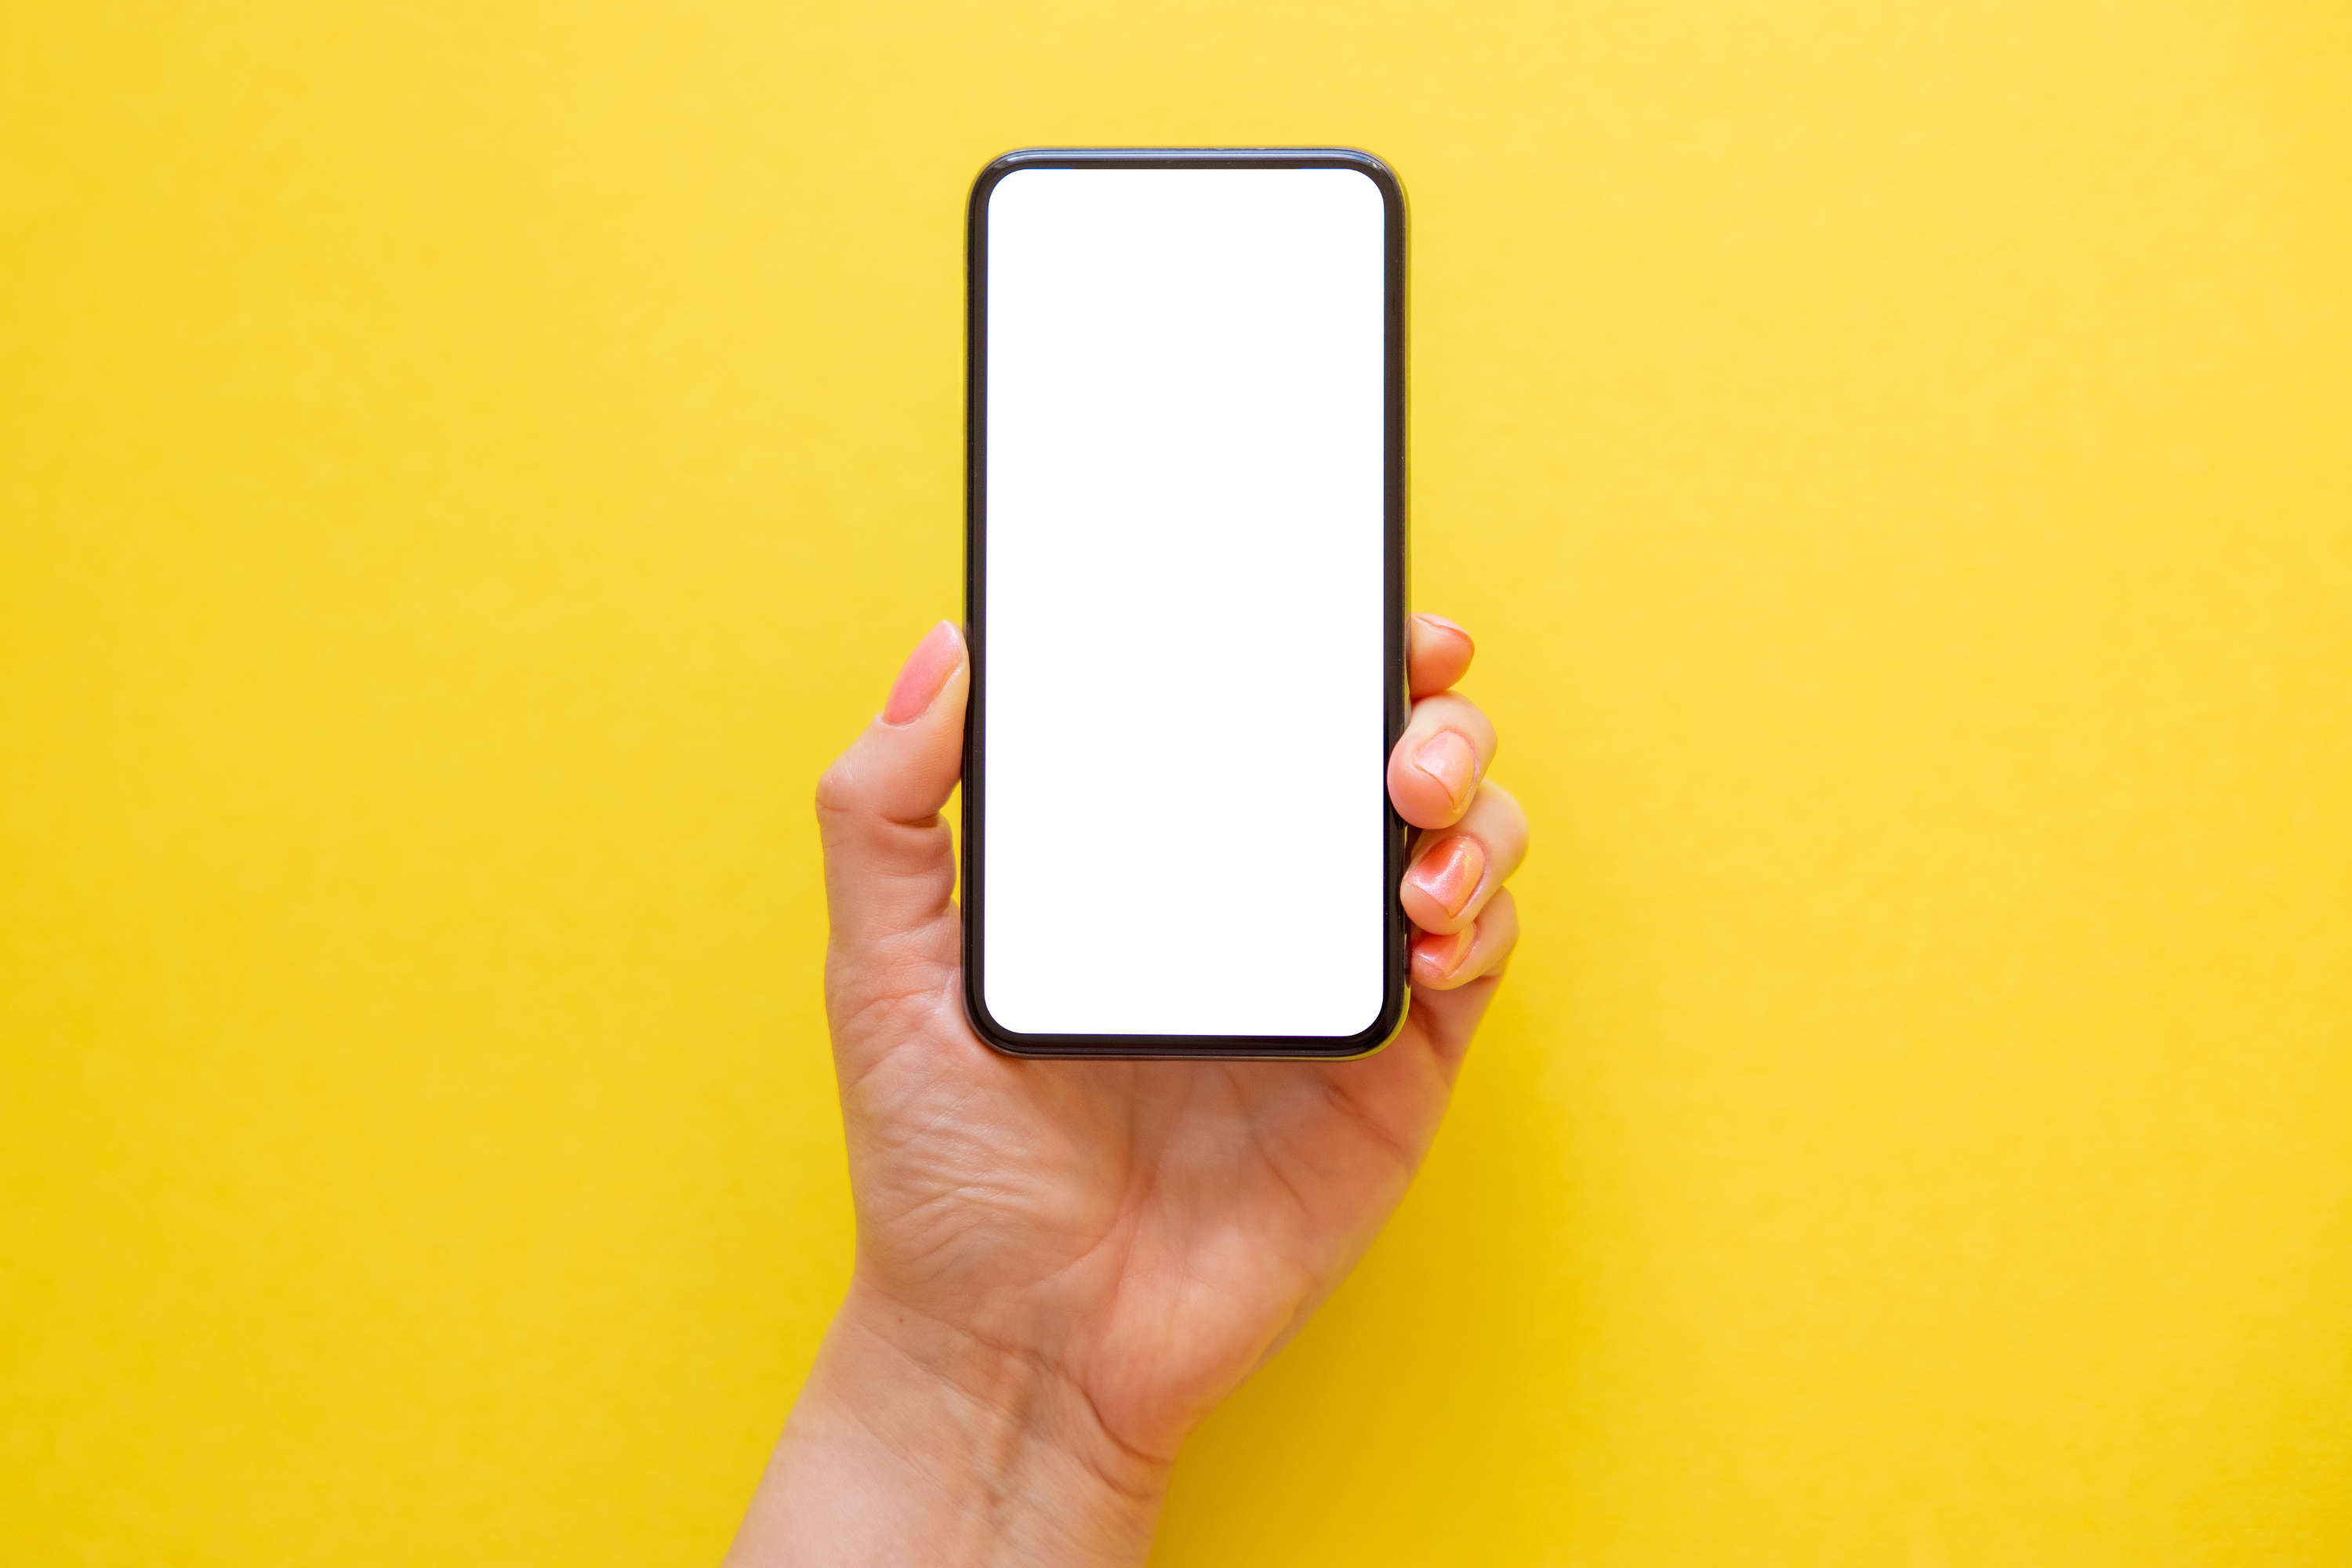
[(1186, 564)]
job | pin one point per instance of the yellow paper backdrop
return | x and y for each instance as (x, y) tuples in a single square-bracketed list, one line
[(465, 465)]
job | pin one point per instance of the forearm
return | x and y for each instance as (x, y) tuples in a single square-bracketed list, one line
[(913, 1442)]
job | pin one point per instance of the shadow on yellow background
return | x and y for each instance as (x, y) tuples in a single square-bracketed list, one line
[(463, 467)]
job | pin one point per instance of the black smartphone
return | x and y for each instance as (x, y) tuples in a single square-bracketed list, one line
[(1185, 600)]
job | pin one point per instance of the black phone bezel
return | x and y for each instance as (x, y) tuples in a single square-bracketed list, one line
[(1396, 932)]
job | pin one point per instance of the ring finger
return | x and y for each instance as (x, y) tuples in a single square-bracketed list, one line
[(1455, 871)]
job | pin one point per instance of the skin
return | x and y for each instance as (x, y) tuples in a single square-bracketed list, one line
[(1062, 1267)]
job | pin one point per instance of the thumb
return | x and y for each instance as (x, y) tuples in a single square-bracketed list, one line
[(889, 867)]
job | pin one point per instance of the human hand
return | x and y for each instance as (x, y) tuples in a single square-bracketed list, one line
[(1062, 1266)]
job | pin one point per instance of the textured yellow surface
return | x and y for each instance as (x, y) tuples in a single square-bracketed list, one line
[(464, 465)]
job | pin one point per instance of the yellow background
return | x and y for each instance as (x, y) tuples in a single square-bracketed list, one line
[(464, 465)]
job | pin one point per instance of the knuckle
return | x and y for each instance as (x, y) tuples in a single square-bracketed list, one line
[(838, 789)]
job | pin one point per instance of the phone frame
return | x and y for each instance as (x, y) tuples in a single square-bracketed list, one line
[(1396, 933)]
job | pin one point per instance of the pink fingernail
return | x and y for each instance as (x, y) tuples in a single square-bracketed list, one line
[(1445, 954), (1453, 762), (1451, 872), (1442, 624), (919, 684)]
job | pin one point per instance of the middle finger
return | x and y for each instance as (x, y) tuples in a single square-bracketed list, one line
[(1445, 750)]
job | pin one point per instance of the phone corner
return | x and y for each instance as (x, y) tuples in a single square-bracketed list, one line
[(994, 172), (1375, 168), (1395, 1008), (983, 1023)]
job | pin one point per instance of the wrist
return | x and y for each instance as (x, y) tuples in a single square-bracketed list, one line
[(918, 1440)]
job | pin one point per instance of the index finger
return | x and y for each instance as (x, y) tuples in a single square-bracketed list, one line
[(1437, 653)]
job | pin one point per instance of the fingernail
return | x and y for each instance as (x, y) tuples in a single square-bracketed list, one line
[(1445, 954), (1453, 763), (925, 676), (1442, 624), (1450, 873)]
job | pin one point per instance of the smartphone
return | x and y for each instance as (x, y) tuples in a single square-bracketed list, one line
[(1185, 600)]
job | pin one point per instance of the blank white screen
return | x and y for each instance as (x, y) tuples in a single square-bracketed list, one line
[(1183, 738)]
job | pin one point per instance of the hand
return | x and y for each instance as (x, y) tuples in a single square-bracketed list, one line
[(1062, 1266)]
